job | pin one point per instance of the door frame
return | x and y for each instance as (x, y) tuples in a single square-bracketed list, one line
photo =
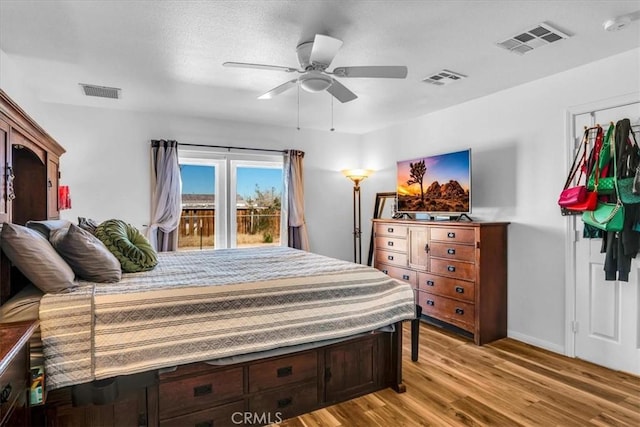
[(571, 221)]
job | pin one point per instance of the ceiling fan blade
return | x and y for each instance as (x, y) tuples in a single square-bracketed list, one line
[(279, 89), (259, 66), (390, 72), (324, 49), (340, 92)]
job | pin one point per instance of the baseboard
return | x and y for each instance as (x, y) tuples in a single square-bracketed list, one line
[(537, 342)]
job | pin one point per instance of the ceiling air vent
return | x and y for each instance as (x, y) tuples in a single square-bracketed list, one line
[(540, 35), (444, 77), (101, 91)]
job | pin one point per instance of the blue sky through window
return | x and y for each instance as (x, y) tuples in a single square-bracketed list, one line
[(198, 179)]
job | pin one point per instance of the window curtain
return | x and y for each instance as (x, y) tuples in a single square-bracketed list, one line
[(166, 203), (297, 236)]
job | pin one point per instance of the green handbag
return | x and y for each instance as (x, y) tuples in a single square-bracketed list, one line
[(625, 191), (602, 185), (606, 217)]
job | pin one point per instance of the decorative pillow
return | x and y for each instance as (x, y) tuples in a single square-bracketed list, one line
[(47, 226), (34, 256), (88, 257), (87, 224), (128, 245), (24, 305)]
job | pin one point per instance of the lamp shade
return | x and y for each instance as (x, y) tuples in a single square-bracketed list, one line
[(357, 175)]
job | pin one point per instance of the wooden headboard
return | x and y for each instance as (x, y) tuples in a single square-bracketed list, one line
[(29, 179)]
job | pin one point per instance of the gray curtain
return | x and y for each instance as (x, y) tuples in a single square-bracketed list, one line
[(297, 228), (166, 203)]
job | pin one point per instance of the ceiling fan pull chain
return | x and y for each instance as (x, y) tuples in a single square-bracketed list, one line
[(298, 105), (332, 128)]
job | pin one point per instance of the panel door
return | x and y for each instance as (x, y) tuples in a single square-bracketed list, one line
[(419, 248)]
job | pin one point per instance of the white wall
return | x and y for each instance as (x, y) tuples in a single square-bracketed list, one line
[(519, 165)]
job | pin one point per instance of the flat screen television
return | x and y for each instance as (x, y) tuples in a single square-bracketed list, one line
[(436, 185)]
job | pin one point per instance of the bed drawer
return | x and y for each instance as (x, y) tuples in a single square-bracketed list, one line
[(392, 230), (403, 274), (447, 287), (225, 415), (454, 269), (458, 313), (279, 372), (182, 396), (388, 257), (453, 234), (286, 402), (452, 251)]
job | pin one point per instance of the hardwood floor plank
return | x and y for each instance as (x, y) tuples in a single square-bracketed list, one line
[(505, 383)]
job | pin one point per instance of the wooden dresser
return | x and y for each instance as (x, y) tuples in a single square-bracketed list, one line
[(14, 372), (458, 270)]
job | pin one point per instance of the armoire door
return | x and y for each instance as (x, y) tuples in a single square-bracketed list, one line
[(607, 313), (5, 171)]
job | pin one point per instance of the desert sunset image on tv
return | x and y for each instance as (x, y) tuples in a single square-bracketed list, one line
[(436, 184)]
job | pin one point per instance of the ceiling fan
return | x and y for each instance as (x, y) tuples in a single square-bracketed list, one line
[(315, 57)]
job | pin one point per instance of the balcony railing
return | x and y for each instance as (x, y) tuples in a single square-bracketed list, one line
[(197, 228)]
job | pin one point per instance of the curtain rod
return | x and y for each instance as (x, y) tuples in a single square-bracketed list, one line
[(234, 148)]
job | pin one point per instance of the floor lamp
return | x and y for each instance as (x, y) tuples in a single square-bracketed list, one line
[(357, 176)]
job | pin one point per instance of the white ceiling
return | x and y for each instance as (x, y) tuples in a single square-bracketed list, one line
[(167, 56)]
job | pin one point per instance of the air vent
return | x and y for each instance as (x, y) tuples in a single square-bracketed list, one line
[(444, 77), (540, 35), (101, 91)]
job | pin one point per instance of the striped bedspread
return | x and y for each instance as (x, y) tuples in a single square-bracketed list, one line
[(202, 305)]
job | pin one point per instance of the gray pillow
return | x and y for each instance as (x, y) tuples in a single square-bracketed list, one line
[(45, 227), (88, 224), (88, 257), (34, 256)]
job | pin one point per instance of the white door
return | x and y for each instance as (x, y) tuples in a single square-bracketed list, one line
[(607, 313)]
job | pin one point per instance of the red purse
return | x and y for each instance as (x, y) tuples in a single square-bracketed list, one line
[(577, 199)]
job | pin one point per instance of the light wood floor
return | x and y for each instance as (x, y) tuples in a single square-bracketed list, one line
[(505, 383)]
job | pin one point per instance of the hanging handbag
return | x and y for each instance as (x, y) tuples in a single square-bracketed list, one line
[(607, 216), (603, 157), (629, 186), (574, 200)]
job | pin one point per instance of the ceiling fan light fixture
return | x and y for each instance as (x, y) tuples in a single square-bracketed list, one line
[(315, 82)]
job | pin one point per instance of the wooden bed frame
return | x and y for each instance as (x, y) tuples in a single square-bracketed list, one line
[(258, 392)]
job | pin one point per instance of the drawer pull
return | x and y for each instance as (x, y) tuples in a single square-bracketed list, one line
[(6, 392), (460, 289), (202, 390), (390, 257), (405, 277), (385, 271), (389, 230), (430, 283), (426, 247), (459, 311), (285, 372), (451, 235), (451, 268), (204, 424), (389, 243), (451, 251), (283, 403), (431, 302)]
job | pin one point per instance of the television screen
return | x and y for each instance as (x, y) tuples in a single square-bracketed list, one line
[(435, 184)]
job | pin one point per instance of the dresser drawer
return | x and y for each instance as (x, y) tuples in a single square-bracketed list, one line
[(13, 383), (183, 396), (286, 402), (453, 234), (391, 230), (445, 286), (393, 258), (403, 274), (391, 243), (224, 415), (279, 372), (458, 313), (453, 251), (451, 268)]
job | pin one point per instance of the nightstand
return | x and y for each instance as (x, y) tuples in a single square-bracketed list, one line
[(14, 372)]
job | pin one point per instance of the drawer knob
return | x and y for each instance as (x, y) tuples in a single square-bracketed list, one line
[(451, 251), (460, 289), (459, 311), (451, 235), (405, 277), (426, 247), (285, 372), (431, 302), (283, 403), (6, 392), (204, 424), (390, 257), (451, 268), (389, 243), (430, 283), (385, 271), (202, 390), (389, 230)]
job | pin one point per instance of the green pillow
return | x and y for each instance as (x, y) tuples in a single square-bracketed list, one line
[(128, 245)]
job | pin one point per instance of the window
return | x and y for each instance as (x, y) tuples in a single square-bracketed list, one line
[(230, 200)]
